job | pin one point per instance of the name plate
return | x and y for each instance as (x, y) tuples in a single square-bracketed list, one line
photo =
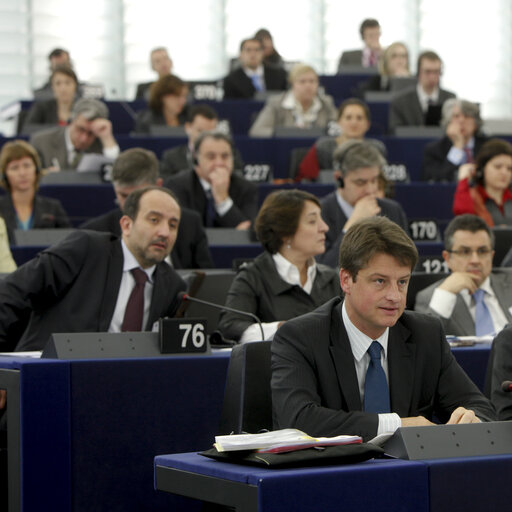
[(424, 230), (183, 335)]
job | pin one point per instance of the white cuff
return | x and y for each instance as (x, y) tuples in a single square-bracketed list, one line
[(224, 207), (455, 155), (388, 422), (443, 302), (112, 152), (253, 332)]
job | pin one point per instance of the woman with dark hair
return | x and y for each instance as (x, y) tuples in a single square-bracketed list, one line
[(484, 188), (270, 54), (354, 120), (285, 281), (22, 208), (64, 83), (167, 104)]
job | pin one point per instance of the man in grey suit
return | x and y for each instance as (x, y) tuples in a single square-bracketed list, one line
[(368, 57), (468, 252), (358, 165), (363, 365), (421, 105), (90, 131)]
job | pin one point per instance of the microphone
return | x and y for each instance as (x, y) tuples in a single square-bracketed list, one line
[(506, 386), (186, 297)]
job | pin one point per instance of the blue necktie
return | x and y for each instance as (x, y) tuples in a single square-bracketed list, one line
[(256, 81), (376, 392), (483, 319)]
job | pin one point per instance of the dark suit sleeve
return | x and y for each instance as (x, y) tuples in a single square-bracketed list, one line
[(436, 166), (501, 371), (296, 387), (245, 203), (37, 114), (143, 121), (40, 283), (61, 217), (395, 115)]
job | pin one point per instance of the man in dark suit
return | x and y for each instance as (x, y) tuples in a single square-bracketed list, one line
[(221, 197), (358, 165), (469, 250), (137, 168), (90, 131), (362, 365), (161, 63), (442, 158), (501, 352), (422, 104), (368, 57), (84, 283), (200, 118), (253, 76)]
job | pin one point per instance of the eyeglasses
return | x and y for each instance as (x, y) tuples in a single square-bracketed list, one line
[(466, 252)]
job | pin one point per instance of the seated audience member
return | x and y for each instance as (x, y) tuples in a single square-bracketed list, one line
[(346, 368), (200, 118), (64, 85), (90, 131), (7, 263), (359, 166), (484, 187), (420, 105), (22, 207), (463, 140), (270, 54), (354, 120), (368, 57), (472, 299), (86, 283), (167, 105), (302, 106), (501, 372), (253, 76), (137, 168), (223, 199), (393, 63), (161, 63), (57, 57), (284, 281)]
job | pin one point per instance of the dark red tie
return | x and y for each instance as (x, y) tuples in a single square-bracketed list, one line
[(134, 312)]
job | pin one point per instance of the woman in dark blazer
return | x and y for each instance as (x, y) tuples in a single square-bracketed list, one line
[(56, 111), (284, 281), (21, 207), (167, 104)]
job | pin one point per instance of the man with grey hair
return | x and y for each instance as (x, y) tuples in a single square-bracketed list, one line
[(137, 168), (90, 131), (358, 165), (462, 141)]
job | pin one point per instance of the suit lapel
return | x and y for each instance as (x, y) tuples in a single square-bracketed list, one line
[(341, 353), (160, 288), (111, 288), (59, 144), (462, 318), (401, 356)]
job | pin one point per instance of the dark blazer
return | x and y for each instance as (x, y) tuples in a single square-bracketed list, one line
[(436, 167), (238, 85), (335, 218), (191, 247), (187, 187), (52, 144), (47, 213), (147, 118), (180, 158), (501, 371), (315, 387), (405, 108), (258, 289), (43, 112), (143, 91), (73, 287), (461, 322)]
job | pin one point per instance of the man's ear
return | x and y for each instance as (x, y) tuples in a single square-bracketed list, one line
[(159, 182), (346, 281), (446, 257), (126, 224)]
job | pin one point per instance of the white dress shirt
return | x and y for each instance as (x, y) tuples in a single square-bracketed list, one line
[(425, 98)]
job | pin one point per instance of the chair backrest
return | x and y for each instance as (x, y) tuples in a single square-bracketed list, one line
[(296, 156), (419, 281), (247, 398)]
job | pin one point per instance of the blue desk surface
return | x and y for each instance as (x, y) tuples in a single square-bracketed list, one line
[(357, 487)]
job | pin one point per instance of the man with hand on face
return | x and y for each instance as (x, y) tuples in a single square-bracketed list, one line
[(472, 300), (222, 198), (361, 365), (90, 131), (253, 76), (358, 165), (85, 282)]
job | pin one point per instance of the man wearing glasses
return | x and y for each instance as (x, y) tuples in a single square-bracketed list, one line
[(472, 300)]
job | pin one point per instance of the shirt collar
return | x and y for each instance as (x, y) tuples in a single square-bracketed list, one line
[(289, 102), (424, 97), (130, 262), (69, 145), (360, 342), (290, 273), (254, 72)]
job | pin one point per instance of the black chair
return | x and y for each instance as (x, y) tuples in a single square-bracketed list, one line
[(296, 157), (247, 398), (419, 281)]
